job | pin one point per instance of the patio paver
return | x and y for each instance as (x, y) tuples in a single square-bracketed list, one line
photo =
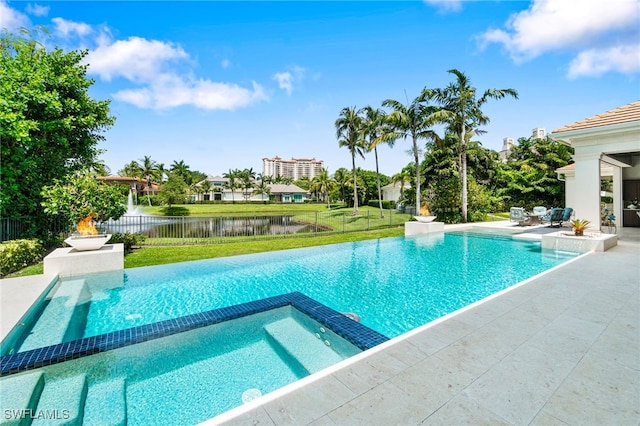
[(563, 348)]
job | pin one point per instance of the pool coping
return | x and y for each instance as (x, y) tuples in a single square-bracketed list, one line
[(358, 334)]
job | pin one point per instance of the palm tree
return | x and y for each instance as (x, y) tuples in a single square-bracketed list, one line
[(374, 129), (182, 169), (324, 184), (148, 171), (247, 176), (349, 134), (402, 178), (231, 182), (131, 169), (343, 181), (464, 117), (262, 188), (414, 121)]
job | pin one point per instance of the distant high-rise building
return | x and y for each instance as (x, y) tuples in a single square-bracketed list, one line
[(296, 168), (538, 133), (507, 145)]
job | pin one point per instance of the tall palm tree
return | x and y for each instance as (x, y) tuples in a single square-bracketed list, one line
[(231, 184), (464, 117), (349, 134), (374, 122), (413, 121)]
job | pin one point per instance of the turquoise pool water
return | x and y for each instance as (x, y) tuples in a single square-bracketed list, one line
[(393, 284), (185, 378)]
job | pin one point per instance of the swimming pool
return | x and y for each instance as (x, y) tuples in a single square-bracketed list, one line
[(184, 378), (393, 284)]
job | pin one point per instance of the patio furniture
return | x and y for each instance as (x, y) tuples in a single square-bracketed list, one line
[(516, 214), (566, 215), (554, 216), (540, 210)]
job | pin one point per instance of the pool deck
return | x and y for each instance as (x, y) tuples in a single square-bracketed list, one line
[(560, 349)]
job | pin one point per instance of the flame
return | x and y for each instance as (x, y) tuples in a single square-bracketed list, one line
[(424, 210), (86, 226)]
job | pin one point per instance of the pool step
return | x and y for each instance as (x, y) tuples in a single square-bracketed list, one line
[(106, 403), (19, 395), (62, 402), (64, 317), (302, 345)]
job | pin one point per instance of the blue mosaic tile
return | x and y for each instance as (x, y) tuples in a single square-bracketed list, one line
[(356, 333)]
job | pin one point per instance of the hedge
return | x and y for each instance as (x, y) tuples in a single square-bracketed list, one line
[(17, 254)]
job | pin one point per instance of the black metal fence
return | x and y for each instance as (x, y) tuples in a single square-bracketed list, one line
[(182, 230)]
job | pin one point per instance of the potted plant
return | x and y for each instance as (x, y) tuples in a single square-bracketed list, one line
[(578, 226)]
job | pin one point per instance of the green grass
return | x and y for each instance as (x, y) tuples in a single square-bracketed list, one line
[(36, 269), (240, 208), (149, 256)]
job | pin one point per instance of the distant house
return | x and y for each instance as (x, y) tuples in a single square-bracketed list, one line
[(279, 192), (392, 191), (138, 186), (606, 145)]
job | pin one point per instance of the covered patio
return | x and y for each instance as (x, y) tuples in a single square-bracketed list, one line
[(606, 145)]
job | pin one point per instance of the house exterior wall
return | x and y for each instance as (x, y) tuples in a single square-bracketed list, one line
[(590, 145)]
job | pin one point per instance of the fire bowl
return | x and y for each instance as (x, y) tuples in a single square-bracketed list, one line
[(87, 242), (425, 219)]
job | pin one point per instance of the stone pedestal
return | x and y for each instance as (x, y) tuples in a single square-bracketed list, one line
[(418, 228), (565, 241), (68, 261)]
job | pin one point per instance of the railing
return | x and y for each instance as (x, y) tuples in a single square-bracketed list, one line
[(182, 230)]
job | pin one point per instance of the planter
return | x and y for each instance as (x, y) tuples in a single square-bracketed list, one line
[(578, 233), (87, 242)]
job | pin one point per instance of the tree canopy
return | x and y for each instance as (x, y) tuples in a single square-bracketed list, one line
[(49, 125)]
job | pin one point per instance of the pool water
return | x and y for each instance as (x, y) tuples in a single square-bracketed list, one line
[(188, 377), (393, 284)]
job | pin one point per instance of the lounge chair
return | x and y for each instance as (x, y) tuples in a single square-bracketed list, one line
[(566, 214), (540, 211), (516, 214), (555, 216)]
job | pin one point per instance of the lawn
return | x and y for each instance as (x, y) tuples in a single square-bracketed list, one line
[(149, 256)]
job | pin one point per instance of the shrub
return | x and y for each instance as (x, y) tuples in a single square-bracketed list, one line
[(386, 204), (17, 254), (128, 239)]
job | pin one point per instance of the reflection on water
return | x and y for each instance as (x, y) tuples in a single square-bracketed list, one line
[(207, 227)]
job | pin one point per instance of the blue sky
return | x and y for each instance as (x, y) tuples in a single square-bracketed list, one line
[(221, 85)]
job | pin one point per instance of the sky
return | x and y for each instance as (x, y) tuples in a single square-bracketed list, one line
[(222, 85)]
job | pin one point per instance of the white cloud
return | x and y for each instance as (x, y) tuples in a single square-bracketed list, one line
[(286, 79), (12, 20), (66, 28), (595, 62), (37, 10), (152, 64), (445, 5), (551, 25), (136, 59)]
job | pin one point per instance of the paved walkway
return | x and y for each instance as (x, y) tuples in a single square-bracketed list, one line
[(563, 348)]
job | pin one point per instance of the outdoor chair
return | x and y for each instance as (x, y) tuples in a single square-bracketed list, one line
[(516, 214), (555, 216), (566, 214), (540, 210)]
